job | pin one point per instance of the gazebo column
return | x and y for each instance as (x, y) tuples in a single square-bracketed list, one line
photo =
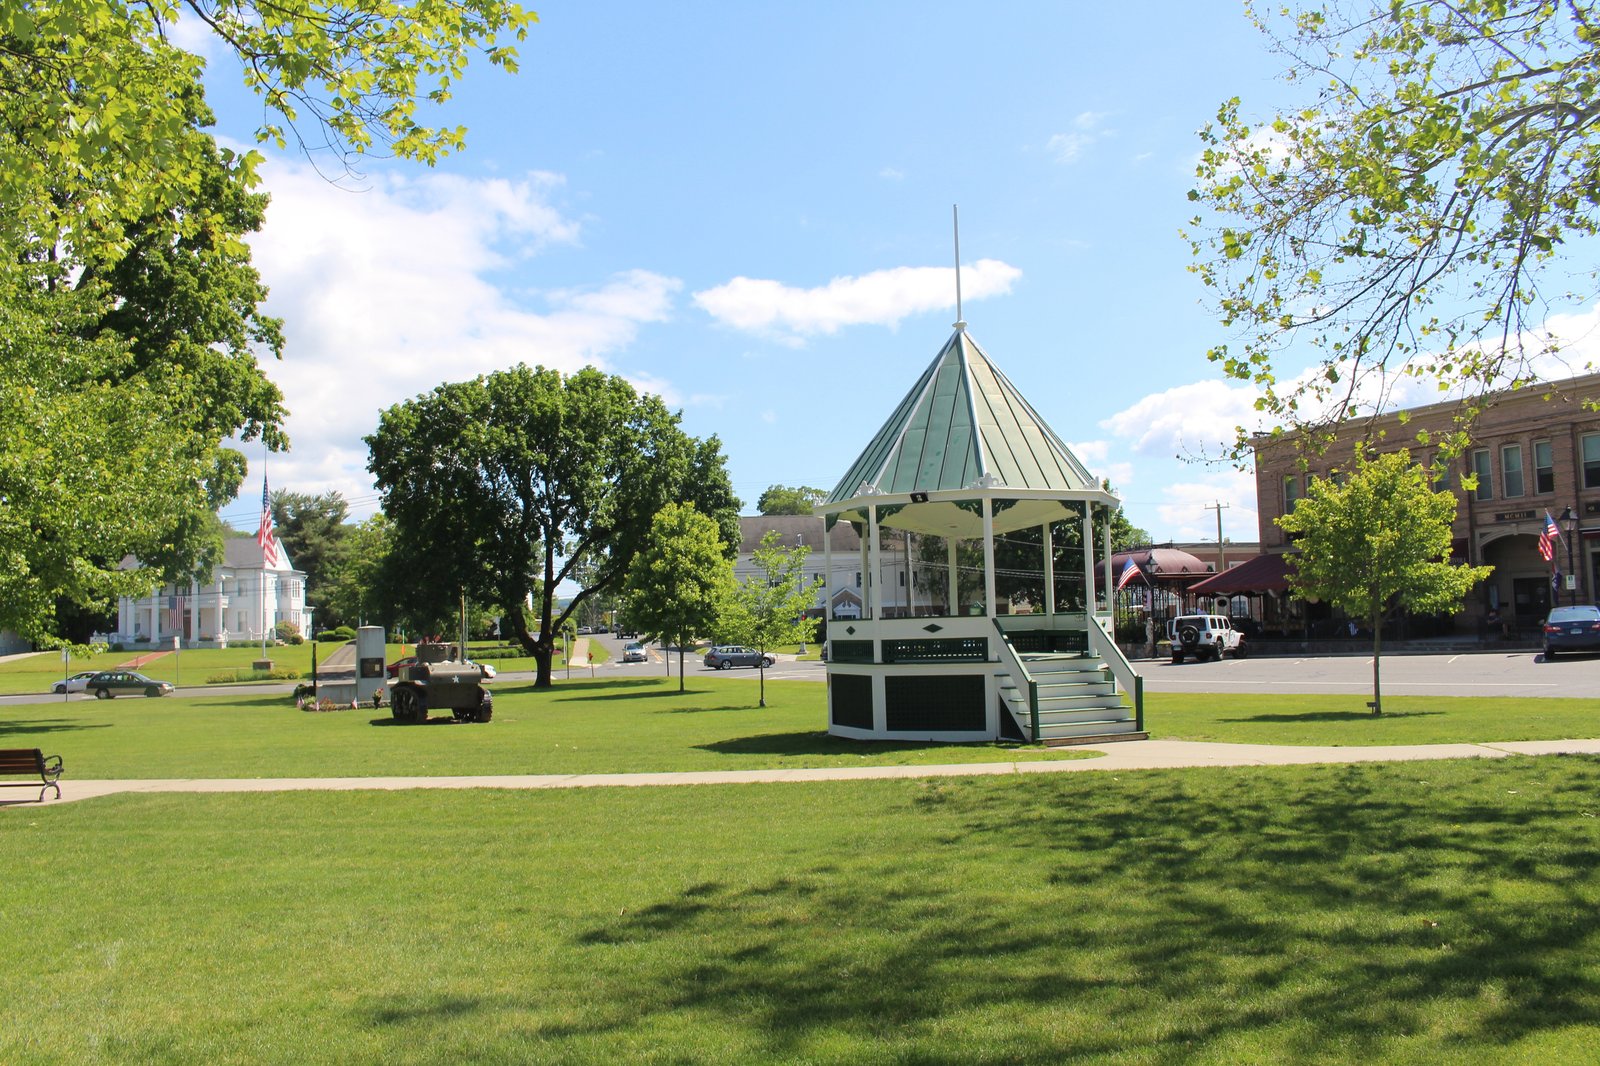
[(911, 580), (1049, 569), (866, 576), (988, 556), (827, 573), (1088, 562), (874, 577), (1105, 558), (954, 607)]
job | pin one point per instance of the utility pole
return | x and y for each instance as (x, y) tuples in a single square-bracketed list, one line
[(1222, 557)]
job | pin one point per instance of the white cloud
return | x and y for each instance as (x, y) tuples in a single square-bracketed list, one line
[(1186, 421), (387, 293), (1183, 510), (1085, 131), (892, 174), (882, 298)]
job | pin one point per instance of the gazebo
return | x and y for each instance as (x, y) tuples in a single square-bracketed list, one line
[(963, 465)]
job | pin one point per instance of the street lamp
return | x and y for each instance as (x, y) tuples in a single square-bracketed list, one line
[(1569, 523)]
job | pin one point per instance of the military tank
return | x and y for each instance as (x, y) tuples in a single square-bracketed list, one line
[(440, 680)]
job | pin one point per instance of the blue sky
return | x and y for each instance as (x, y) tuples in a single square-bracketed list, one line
[(746, 208)]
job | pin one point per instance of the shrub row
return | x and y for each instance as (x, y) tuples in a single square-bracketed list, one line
[(233, 677)]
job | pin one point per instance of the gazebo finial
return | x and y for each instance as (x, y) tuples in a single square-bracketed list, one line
[(955, 219)]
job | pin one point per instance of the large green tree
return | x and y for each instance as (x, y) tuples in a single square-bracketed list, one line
[(680, 583), (768, 608), (129, 313), (313, 530), (93, 464), (361, 580), (95, 93), (508, 485), (784, 499), (1377, 539), (1422, 215)]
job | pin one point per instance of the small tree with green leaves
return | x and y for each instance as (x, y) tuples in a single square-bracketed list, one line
[(679, 583), (769, 608), (1375, 541)]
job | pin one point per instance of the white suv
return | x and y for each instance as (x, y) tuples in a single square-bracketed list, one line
[(1204, 636)]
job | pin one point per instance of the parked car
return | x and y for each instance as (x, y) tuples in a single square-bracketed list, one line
[(394, 668), (602, 628), (76, 683), (633, 653), (584, 631), (1571, 629), (727, 656), (109, 683), (1204, 636)]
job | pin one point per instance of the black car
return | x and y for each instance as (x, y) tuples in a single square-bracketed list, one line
[(109, 683), (1571, 629)]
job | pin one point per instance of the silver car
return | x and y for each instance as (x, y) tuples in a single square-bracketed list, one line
[(727, 656)]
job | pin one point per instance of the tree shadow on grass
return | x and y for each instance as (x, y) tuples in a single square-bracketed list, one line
[(47, 725), (1332, 716), (1340, 908)]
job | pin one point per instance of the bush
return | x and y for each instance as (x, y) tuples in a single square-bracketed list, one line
[(1131, 631), (344, 633), (288, 633), (233, 677)]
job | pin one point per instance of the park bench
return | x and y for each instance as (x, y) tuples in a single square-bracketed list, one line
[(14, 761)]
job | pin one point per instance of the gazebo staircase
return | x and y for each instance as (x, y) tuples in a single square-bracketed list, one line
[(1062, 698)]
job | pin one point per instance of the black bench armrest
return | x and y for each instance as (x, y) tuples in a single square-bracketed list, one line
[(50, 767)]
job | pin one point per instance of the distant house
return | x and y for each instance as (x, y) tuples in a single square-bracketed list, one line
[(242, 602), (904, 592)]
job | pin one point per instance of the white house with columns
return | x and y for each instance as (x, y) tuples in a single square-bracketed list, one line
[(243, 601)]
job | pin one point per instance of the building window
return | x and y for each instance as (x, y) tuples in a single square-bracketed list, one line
[(858, 579), (1591, 460), (1544, 467), (1511, 469), (1291, 492), (1480, 467)]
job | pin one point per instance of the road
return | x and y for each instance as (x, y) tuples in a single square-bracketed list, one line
[(1488, 673)]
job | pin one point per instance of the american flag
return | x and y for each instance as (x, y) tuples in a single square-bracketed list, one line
[(264, 537), (1129, 572), (1548, 537)]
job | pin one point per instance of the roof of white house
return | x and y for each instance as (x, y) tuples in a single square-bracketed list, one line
[(808, 528)]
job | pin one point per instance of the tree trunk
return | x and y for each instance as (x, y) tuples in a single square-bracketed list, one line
[(761, 666), (541, 650), (1377, 659), (680, 665)]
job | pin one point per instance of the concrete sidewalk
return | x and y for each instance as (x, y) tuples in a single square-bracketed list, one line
[(1134, 755)]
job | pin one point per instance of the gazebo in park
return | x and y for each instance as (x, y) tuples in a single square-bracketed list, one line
[(965, 472)]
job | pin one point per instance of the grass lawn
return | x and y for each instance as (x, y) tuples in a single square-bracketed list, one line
[(642, 723), (1334, 719), (580, 726), (1444, 912)]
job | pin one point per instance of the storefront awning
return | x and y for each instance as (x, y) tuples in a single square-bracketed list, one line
[(1264, 573)]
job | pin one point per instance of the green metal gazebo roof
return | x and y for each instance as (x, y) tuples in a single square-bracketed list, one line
[(962, 425)]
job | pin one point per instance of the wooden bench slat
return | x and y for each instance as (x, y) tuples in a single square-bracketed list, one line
[(14, 761)]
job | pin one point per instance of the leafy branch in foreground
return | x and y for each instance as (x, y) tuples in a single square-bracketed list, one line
[(1422, 218)]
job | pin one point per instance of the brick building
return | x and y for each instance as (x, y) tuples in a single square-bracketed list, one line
[(1534, 451)]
